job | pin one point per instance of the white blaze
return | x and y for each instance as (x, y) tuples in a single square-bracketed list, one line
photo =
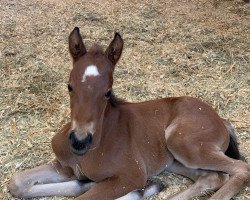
[(91, 70)]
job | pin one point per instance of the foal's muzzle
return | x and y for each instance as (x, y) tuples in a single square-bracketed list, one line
[(80, 147)]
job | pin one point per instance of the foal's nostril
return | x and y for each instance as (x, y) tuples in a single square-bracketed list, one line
[(72, 135), (74, 141), (89, 138)]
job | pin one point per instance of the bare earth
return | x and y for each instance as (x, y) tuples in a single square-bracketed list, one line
[(172, 48)]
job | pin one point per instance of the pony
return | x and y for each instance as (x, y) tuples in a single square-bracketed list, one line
[(110, 148)]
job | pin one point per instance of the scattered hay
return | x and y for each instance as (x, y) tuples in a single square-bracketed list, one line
[(197, 48)]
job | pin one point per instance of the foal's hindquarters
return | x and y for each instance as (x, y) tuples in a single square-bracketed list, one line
[(198, 143)]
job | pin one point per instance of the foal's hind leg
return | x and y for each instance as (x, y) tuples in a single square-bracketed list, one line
[(178, 168), (237, 169), (209, 182), (209, 157), (46, 180), (204, 180)]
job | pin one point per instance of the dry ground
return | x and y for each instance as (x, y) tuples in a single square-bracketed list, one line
[(172, 48)]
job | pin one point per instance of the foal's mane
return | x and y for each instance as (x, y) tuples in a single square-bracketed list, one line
[(114, 101)]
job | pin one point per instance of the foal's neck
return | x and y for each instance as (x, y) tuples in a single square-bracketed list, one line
[(108, 126)]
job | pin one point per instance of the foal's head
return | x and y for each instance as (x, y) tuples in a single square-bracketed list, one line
[(90, 87)]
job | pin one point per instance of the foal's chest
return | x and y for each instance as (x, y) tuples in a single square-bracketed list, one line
[(94, 167)]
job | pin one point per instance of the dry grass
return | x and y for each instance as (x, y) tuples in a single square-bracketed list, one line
[(172, 48)]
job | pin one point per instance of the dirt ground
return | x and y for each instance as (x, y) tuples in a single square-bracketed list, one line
[(172, 48)]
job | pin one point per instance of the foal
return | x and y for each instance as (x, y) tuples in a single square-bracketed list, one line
[(111, 147)]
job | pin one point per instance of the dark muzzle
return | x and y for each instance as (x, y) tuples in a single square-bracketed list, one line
[(80, 147)]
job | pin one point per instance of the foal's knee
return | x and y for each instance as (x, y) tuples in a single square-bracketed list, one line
[(241, 171), (16, 186), (213, 180)]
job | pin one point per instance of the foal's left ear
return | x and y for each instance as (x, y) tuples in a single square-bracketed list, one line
[(114, 50)]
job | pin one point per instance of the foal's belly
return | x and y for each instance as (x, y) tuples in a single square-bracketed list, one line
[(156, 155), (162, 164)]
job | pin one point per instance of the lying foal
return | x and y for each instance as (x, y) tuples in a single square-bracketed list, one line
[(111, 147)]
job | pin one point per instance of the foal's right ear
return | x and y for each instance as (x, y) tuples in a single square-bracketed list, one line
[(76, 46)]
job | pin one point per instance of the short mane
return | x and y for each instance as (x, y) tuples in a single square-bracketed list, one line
[(114, 101)]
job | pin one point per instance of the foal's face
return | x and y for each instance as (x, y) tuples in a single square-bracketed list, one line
[(90, 85)]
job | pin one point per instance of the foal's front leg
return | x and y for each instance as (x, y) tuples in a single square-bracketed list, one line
[(46, 180), (110, 189)]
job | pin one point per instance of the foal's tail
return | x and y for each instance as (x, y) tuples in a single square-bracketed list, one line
[(233, 148)]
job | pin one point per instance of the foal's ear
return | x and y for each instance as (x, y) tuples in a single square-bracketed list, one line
[(76, 46), (114, 50)]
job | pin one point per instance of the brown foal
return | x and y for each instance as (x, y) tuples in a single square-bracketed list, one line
[(111, 148)]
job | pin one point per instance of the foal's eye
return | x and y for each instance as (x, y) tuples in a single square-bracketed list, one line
[(70, 89), (108, 94)]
